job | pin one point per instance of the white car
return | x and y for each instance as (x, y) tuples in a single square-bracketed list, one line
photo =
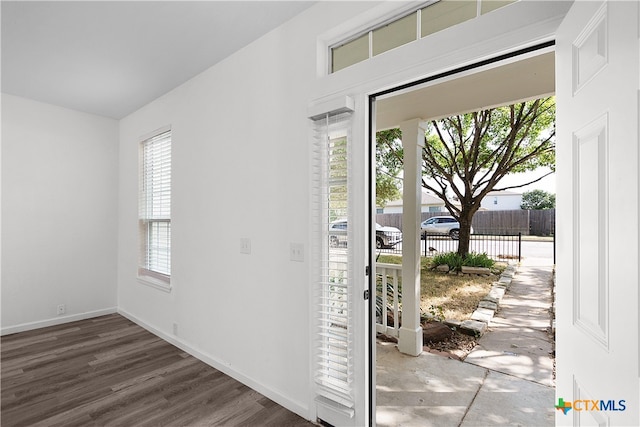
[(386, 237), (447, 225)]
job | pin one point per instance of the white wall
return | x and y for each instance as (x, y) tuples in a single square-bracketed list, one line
[(59, 205), (241, 138), (502, 202)]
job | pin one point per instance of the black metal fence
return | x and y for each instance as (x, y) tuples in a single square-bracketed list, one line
[(500, 247)]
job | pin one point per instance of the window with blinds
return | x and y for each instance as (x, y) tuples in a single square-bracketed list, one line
[(155, 208), (334, 368)]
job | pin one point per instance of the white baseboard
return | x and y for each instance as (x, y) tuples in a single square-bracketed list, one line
[(292, 405), (59, 320)]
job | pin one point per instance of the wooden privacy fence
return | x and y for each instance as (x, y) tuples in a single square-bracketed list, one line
[(542, 222), (527, 222)]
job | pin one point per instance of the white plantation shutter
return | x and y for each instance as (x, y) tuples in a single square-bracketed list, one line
[(155, 207), (334, 359)]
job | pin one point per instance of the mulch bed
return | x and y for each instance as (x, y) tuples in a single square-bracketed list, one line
[(454, 344), (458, 346)]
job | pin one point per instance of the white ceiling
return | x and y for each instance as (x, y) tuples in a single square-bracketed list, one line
[(518, 79), (111, 58)]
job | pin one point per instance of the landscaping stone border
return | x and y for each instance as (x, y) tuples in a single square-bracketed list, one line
[(478, 323)]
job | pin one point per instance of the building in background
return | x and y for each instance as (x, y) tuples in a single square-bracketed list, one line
[(502, 201), (430, 203)]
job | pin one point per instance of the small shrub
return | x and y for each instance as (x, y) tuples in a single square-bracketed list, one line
[(455, 261), (452, 259), (478, 260), (436, 312)]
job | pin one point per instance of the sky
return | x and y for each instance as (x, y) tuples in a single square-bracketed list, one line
[(547, 184)]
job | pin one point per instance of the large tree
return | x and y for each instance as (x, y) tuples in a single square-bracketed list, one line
[(388, 166), (538, 199), (465, 156)]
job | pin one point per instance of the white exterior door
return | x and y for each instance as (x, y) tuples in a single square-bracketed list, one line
[(597, 66)]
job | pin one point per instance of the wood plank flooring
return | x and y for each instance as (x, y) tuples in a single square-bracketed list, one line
[(108, 371)]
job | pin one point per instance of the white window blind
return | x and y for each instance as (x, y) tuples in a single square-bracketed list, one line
[(334, 368), (155, 207)]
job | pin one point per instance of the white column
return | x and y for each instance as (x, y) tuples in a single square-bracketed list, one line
[(410, 338)]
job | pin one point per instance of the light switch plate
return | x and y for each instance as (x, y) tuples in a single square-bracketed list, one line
[(296, 252), (245, 246)]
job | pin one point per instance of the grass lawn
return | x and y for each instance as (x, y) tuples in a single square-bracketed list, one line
[(448, 296)]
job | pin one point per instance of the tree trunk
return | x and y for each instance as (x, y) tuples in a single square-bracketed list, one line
[(465, 230)]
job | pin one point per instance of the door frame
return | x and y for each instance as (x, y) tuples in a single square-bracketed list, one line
[(509, 29), (371, 98)]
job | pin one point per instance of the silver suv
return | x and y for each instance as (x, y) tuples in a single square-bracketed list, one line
[(386, 237), (442, 225)]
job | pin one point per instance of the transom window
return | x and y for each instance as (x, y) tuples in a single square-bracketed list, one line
[(427, 19)]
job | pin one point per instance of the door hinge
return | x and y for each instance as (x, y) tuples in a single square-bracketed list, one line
[(367, 270), (366, 294)]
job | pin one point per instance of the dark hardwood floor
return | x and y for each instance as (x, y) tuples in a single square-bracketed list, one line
[(109, 371)]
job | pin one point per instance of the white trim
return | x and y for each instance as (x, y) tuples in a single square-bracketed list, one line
[(333, 288), (158, 146), (56, 321), (398, 66), (155, 283), (360, 25), (474, 70), (534, 25), (328, 42), (154, 133), (371, 20), (341, 104), (224, 367)]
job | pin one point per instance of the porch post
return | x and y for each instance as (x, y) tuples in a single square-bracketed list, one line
[(410, 334)]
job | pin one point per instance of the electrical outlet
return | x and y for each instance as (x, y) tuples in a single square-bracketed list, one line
[(245, 246), (61, 309), (296, 252)]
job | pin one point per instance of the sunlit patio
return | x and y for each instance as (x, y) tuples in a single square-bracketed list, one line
[(431, 390)]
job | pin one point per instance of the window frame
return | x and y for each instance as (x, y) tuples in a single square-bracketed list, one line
[(333, 360), (145, 274), (366, 31)]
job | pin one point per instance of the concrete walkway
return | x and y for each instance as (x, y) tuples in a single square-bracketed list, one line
[(505, 380)]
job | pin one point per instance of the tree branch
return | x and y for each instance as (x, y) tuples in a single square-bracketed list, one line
[(522, 185)]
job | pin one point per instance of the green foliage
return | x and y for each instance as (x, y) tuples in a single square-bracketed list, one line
[(380, 300), (389, 259), (478, 260), (466, 155), (337, 197), (387, 189), (538, 199), (385, 303), (388, 166), (436, 312), (455, 261)]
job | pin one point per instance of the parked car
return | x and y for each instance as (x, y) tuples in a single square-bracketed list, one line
[(386, 237), (446, 225)]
